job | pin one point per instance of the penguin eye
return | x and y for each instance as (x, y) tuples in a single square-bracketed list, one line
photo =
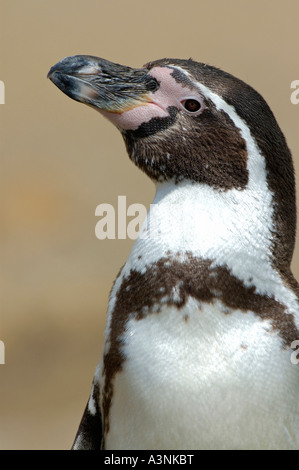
[(191, 105)]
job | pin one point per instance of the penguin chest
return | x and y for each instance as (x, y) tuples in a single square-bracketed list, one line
[(203, 376)]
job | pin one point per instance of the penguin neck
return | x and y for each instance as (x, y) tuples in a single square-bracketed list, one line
[(231, 228)]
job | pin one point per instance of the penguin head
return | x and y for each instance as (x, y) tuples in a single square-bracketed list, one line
[(183, 120), (168, 124)]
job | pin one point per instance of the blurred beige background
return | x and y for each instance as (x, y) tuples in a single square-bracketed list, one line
[(60, 159)]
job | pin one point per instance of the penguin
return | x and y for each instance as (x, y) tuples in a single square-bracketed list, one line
[(203, 318)]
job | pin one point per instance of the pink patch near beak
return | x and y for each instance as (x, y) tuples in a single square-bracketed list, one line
[(170, 93)]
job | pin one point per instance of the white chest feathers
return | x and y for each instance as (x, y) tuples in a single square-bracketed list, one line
[(199, 332), (204, 377)]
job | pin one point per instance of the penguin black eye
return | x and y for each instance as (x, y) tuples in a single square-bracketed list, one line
[(191, 105)]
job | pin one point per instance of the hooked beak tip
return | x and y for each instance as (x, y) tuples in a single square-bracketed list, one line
[(102, 84)]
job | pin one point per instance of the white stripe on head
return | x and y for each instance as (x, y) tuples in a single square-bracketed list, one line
[(256, 162)]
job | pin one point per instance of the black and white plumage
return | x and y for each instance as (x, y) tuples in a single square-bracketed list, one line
[(202, 317)]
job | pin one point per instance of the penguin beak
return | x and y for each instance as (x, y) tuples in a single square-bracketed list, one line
[(102, 84)]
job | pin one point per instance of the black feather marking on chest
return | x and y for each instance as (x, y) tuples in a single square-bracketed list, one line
[(171, 282)]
